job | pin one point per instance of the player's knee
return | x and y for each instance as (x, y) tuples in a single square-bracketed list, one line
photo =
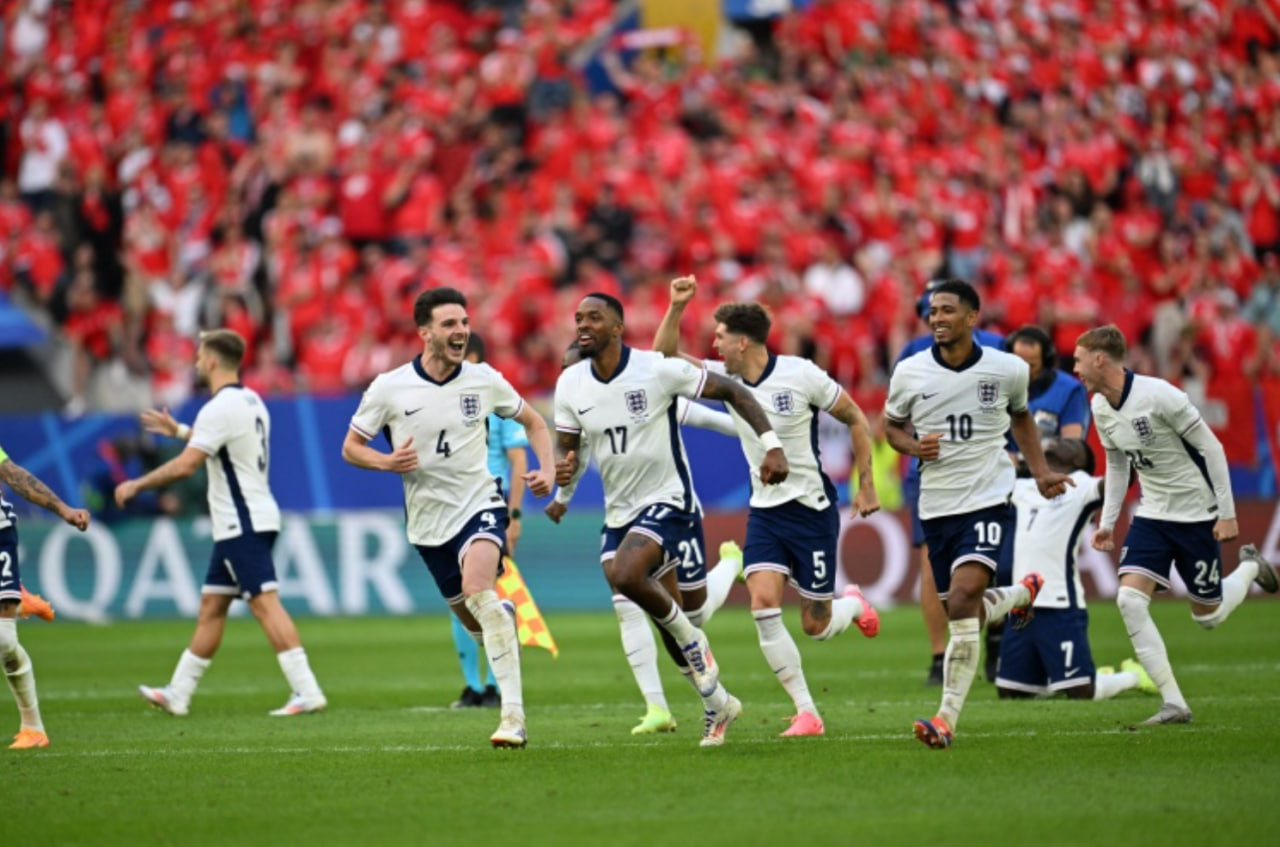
[(817, 628), (8, 640), (697, 616), (1131, 601)]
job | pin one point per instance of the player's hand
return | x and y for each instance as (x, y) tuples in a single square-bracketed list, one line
[(866, 501), (555, 511), (539, 481), (513, 535), (79, 518), (682, 290), (1104, 541), (774, 469), (1225, 530), (125, 492), (404, 458), (566, 468), (1053, 484), (928, 448), (160, 422)]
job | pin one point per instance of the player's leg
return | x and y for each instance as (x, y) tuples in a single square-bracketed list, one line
[(720, 580), (481, 559), (638, 644), (935, 617), (766, 584), (1200, 573), (969, 580), (283, 636), (18, 671), (469, 659), (1022, 673), (1065, 652), (1145, 561)]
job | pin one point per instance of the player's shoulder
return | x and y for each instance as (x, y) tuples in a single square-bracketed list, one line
[(573, 374), (921, 361), (994, 357), (1154, 388)]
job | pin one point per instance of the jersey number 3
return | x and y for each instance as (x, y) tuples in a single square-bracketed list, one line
[(263, 458)]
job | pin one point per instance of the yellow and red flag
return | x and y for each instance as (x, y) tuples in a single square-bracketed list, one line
[(533, 629)]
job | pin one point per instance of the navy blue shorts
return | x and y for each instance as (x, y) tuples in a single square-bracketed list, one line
[(445, 561), (797, 541), (1051, 654), (911, 493), (242, 566), (677, 532), (10, 575), (1153, 546), (984, 537)]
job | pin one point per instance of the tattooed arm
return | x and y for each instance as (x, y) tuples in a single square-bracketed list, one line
[(33, 490)]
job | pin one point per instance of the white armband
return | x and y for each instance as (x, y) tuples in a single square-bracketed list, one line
[(770, 440)]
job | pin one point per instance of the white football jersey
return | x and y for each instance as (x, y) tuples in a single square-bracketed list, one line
[(791, 390), (234, 429), (447, 421), (1049, 536), (970, 407), (631, 423), (1148, 428)]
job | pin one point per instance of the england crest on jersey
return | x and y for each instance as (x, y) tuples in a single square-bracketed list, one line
[(637, 402), (988, 393), (784, 402), (470, 406), (1142, 426)]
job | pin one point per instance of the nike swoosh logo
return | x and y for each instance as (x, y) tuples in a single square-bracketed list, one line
[(584, 411), (1071, 672), (499, 656), (928, 396), (777, 671), (984, 549), (407, 412)]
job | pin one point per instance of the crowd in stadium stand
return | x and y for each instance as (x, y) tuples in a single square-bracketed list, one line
[(300, 169)]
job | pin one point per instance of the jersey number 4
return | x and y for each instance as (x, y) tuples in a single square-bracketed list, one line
[(1138, 460), (442, 446)]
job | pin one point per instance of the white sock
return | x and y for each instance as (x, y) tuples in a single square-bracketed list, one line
[(1135, 608), (783, 656), (641, 649), (714, 702), (844, 611), (996, 602), (1236, 587), (20, 676), (959, 668), (502, 648), (678, 625), (296, 669), (719, 582), (186, 676), (1106, 686)]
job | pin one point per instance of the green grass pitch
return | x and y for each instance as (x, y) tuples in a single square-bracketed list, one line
[(389, 764)]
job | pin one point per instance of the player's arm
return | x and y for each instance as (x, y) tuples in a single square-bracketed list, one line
[(1027, 435), (31, 489), (1115, 484), (567, 444), (535, 427), (902, 437), (179, 467), (356, 451), (696, 414), (1199, 436), (667, 339), (774, 468), (850, 414), (160, 422)]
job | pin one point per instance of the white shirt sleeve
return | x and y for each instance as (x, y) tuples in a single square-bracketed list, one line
[(1177, 410), (696, 414), (820, 389), (371, 415), (681, 377), (507, 402), (565, 418), (897, 406), (1018, 386), (210, 430)]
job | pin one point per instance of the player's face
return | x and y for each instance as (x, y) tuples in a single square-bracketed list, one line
[(1029, 352), (597, 327), (1089, 369), (447, 334), (204, 364), (732, 347), (949, 319)]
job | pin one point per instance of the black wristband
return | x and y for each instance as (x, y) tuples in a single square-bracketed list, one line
[(515, 514)]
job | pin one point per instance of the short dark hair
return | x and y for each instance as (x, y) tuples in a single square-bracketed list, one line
[(475, 347), (966, 292), (1072, 453), (227, 344), (1032, 334), (749, 319), (1104, 339), (425, 305), (611, 302)]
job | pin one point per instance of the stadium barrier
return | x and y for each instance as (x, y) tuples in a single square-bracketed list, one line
[(360, 563)]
